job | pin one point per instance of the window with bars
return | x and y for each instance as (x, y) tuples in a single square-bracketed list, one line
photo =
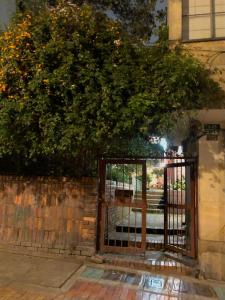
[(203, 19)]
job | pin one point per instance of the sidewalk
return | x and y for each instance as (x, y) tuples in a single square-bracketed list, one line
[(37, 278)]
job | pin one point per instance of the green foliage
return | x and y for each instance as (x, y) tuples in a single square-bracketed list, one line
[(73, 84), (123, 173), (66, 87), (33, 5), (175, 82), (120, 173), (138, 17), (178, 185), (149, 178), (158, 172), (132, 146)]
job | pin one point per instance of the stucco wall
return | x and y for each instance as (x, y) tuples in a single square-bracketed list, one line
[(7, 9), (48, 215), (212, 207), (211, 53), (211, 202)]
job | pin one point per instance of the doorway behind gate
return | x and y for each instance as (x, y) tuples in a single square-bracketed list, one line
[(148, 204)]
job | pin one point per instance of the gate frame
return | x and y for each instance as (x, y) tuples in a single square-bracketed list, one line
[(102, 206), (193, 209), (142, 160)]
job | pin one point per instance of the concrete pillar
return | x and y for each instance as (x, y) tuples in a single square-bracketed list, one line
[(211, 207)]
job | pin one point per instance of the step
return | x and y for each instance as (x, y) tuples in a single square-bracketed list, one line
[(149, 197), (155, 204), (152, 195), (137, 262), (187, 261), (156, 191), (149, 230), (149, 211), (158, 200)]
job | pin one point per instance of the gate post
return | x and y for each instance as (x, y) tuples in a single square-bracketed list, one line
[(193, 211), (101, 208), (144, 205), (165, 209)]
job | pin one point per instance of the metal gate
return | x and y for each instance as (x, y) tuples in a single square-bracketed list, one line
[(180, 207), (147, 204)]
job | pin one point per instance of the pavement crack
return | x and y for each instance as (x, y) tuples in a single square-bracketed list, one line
[(70, 276)]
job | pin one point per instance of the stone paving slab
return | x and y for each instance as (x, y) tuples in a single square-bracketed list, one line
[(57, 279), (12, 293), (51, 272), (36, 270)]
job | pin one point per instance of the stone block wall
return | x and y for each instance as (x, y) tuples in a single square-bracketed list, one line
[(49, 215), (212, 208), (211, 198)]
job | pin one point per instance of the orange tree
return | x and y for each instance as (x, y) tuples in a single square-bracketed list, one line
[(139, 17), (72, 82)]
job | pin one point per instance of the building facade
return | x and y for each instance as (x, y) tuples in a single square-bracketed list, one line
[(199, 26), (26, 219)]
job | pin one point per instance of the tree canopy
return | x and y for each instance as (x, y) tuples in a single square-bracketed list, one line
[(73, 82), (138, 17)]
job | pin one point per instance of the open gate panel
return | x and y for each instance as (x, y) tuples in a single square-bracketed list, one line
[(147, 204), (123, 196)]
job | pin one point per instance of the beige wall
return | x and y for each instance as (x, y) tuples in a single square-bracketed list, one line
[(212, 204), (211, 198), (211, 53), (197, 21)]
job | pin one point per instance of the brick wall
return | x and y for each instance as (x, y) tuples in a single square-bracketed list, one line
[(49, 215)]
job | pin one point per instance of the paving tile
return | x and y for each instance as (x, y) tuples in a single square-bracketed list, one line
[(119, 276), (120, 285), (153, 297), (131, 279), (113, 275), (156, 284), (178, 286), (139, 295), (164, 297), (92, 273), (186, 287), (203, 290), (124, 293), (145, 295), (220, 291), (101, 295)]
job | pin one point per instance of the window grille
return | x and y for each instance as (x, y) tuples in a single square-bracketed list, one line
[(203, 19)]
